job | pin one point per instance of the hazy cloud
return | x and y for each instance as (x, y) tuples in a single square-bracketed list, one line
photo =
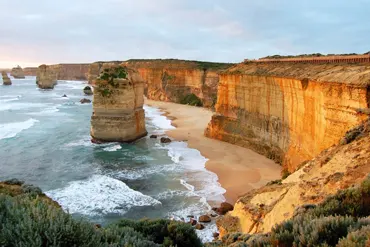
[(44, 31)]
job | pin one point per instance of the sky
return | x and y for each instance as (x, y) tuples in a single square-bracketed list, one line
[(33, 32)]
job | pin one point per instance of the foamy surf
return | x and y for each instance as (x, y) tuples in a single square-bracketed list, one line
[(100, 195), (10, 130), (158, 120), (113, 148)]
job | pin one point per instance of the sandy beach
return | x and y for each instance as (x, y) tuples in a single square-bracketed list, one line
[(238, 169)]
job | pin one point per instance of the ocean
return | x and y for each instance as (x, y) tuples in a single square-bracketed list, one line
[(45, 141)]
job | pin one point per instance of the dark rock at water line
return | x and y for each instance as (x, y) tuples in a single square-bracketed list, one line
[(85, 101), (64, 96), (153, 136), (193, 222), (199, 227), (190, 216), (96, 141), (165, 140), (204, 219), (216, 234), (87, 90)]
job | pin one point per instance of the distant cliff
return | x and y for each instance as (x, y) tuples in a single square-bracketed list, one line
[(173, 80), (289, 112), (30, 71), (70, 71)]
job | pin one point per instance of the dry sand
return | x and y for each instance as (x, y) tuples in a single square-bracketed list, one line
[(238, 169)]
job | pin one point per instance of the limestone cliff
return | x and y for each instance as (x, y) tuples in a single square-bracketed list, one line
[(172, 80), (6, 79), (118, 114), (95, 69), (30, 71), (46, 77), (72, 71), (289, 112), (337, 168), (17, 73)]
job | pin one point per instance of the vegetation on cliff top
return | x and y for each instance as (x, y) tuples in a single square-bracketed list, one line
[(309, 55), (28, 219), (191, 99), (106, 80), (341, 220), (197, 64)]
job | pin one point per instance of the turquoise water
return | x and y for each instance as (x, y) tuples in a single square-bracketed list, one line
[(44, 140)]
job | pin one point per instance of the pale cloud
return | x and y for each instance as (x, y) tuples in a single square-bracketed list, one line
[(45, 31)]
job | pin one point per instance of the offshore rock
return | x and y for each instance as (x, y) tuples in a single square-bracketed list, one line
[(118, 114), (17, 73), (85, 101), (6, 79), (87, 90), (46, 77)]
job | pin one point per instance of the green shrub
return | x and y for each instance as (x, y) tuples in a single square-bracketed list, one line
[(191, 99), (166, 232), (359, 238)]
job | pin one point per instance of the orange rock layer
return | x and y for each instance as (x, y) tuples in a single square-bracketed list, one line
[(171, 80), (293, 118)]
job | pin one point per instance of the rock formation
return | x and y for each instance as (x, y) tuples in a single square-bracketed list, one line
[(46, 77), (289, 112), (17, 73), (340, 167), (72, 71), (172, 80), (6, 79), (88, 91), (118, 114)]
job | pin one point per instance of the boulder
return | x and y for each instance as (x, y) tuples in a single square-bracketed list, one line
[(216, 235), (88, 91), (204, 219), (199, 227), (64, 96), (85, 101), (193, 222), (6, 79), (153, 136), (224, 208), (165, 140)]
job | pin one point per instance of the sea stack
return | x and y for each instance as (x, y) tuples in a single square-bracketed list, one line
[(6, 79), (118, 114), (46, 77), (17, 73)]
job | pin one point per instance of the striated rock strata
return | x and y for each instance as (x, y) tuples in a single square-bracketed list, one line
[(335, 169), (289, 112), (17, 73), (172, 80), (30, 71), (118, 114), (6, 79), (46, 77)]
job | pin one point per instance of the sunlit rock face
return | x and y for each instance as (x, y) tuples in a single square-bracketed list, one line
[(6, 79), (289, 112), (172, 80), (17, 73), (46, 77), (118, 114)]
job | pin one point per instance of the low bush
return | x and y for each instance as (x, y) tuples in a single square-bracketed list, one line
[(191, 99)]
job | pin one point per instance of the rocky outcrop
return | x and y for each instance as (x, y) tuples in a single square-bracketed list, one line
[(88, 91), (17, 73), (289, 112), (335, 169), (30, 71), (118, 114), (46, 77), (96, 68), (6, 79), (172, 80)]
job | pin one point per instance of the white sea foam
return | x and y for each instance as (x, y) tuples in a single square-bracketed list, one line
[(113, 148), (100, 195), (186, 185), (157, 119), (9, 130), (19, 106), (83, 141)]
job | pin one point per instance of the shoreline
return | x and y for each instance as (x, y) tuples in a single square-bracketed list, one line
[(238, 169)]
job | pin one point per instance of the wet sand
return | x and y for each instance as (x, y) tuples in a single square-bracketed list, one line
[(238, 169)]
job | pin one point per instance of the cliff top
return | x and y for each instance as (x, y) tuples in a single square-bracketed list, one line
[(356, 74)]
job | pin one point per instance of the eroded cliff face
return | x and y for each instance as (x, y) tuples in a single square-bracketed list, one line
[(46, 77), (17, 73), (73, 71), (118, 114), (337, 168), (30, 71), (290, 113), (172, 80)]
